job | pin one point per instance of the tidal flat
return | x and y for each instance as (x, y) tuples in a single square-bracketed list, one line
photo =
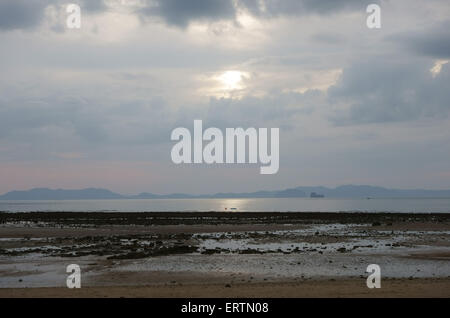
[(186, 254)]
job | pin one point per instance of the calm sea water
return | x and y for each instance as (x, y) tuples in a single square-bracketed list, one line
[(264, 205)]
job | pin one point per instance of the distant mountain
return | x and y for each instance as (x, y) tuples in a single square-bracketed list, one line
[(345, 191), (61, 194), (145, 195), (288, 193)]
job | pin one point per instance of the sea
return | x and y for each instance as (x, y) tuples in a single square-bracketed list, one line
[(416, 205)]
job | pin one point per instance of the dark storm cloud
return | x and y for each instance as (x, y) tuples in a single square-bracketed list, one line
[(181, 12), (21, 14), (434, 42), (27, 14), (381, 90), (92, 6)]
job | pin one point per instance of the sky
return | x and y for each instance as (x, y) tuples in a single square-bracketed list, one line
[(95, 106)]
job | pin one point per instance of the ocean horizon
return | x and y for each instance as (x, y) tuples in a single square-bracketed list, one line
[(403, 205)]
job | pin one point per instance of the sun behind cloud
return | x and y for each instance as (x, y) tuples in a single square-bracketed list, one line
[(232, 80)]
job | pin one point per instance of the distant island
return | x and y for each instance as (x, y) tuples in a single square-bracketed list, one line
[(345, 191)]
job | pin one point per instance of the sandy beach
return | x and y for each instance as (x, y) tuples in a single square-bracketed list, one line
[(188, 254)]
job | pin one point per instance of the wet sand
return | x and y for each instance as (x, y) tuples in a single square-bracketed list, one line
[(224, 254), (435, 288)]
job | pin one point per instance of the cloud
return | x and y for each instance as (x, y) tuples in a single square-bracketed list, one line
[(91, 6), (433, 42), (271, 8), (26, 14), (382, 90), (76, 97), (180, 13), (328, 38), (276, 110), (21, 14), (59, 124), (57, 121)]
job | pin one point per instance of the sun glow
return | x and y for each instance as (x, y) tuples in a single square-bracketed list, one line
[(225, 84), (232, 80)]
